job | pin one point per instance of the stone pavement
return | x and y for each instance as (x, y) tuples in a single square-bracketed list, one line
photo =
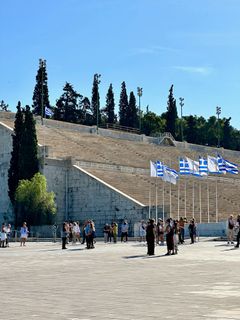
[(119, 281)]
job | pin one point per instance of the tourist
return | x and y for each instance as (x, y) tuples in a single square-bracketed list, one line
[(238, 228), (160, 232), (64, 235), (124, 231), (115, 232), (75, 232), (23, 234), (181, 230), (8, 231), (106, 231), (192, 230), (142, 231), (150, 237), (84, 232), (230, 229), (90, 231), (169, 237), (3, 235), (175, 236)]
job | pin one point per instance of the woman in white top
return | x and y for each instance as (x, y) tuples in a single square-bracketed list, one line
[(24, 234), (3, 235)]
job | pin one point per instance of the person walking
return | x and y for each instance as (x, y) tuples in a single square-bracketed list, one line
[(115, 232), (192, 231), (150, 237), (23, 234), (230, 229), (124, 231)]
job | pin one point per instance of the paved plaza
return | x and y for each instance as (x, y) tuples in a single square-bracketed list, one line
[(119, 281)]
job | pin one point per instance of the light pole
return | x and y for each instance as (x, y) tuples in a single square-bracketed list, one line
[(42, 64), (139, 92), (218, 112), (181, 105)]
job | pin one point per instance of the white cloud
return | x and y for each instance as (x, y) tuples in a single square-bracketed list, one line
[(152, 50), (190, 69)]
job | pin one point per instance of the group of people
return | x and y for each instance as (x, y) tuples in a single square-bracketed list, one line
[(110, 232), (173, 231), (5, 235), (233, 227)]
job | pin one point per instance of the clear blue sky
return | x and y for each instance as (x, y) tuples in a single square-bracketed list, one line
[(192, 44)]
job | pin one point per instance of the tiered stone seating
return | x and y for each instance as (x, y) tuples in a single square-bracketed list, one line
[(89, 147)]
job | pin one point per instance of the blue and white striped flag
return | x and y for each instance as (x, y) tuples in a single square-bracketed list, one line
[(221, 165), (48, 112), (160, 168), (183, 166), (231, 167), (203, 166)]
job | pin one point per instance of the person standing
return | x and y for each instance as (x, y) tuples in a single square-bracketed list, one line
[(64, 235), (230, 229), (124, 231), (23, 234), (192, 231), (238, 228), (115, 232), (3, 235), (169, 237), (181, 230), (150, 237), (8, 231), (142, 231)]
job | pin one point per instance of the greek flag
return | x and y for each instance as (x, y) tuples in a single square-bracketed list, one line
[(183, 166), (48, 112), (231, 167), (170, 175), (160, 168), (221, 165), (203, 166)]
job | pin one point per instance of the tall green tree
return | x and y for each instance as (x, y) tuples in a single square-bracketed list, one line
[(191, 129), (95, 102), (4, 106), (227, 134), (110, 106), (152, 124), (132, 112), (123, 105), (13, 172), (40, 93), (171, 115), (35, 204), (67, 106), (28, 152)]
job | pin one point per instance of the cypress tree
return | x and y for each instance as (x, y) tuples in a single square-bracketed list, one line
[(171, 115), (95, 103), (13, 172), (227, 134), (28, 153), (40, 94), (123, 105), (132, 115), (67, 105), (110, 106)]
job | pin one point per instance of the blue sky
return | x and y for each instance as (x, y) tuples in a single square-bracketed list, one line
[(194, 45)]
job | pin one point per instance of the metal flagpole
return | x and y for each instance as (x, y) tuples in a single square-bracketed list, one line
[(208, 199), (200, 202), (193, 199), (216, 200), (149, 209), (156, 201), (163, 201), (170, 202), (178, 199), (185, 209)]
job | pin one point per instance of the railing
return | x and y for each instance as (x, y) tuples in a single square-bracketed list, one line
[(115, 126)]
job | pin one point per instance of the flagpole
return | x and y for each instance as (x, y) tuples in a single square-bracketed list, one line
[(149, 208), (170, 203), (200, 202), (185, 209), (178, 198), (193, 198), (216, 200), (208, 198), (156, 200), (163, 201)]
